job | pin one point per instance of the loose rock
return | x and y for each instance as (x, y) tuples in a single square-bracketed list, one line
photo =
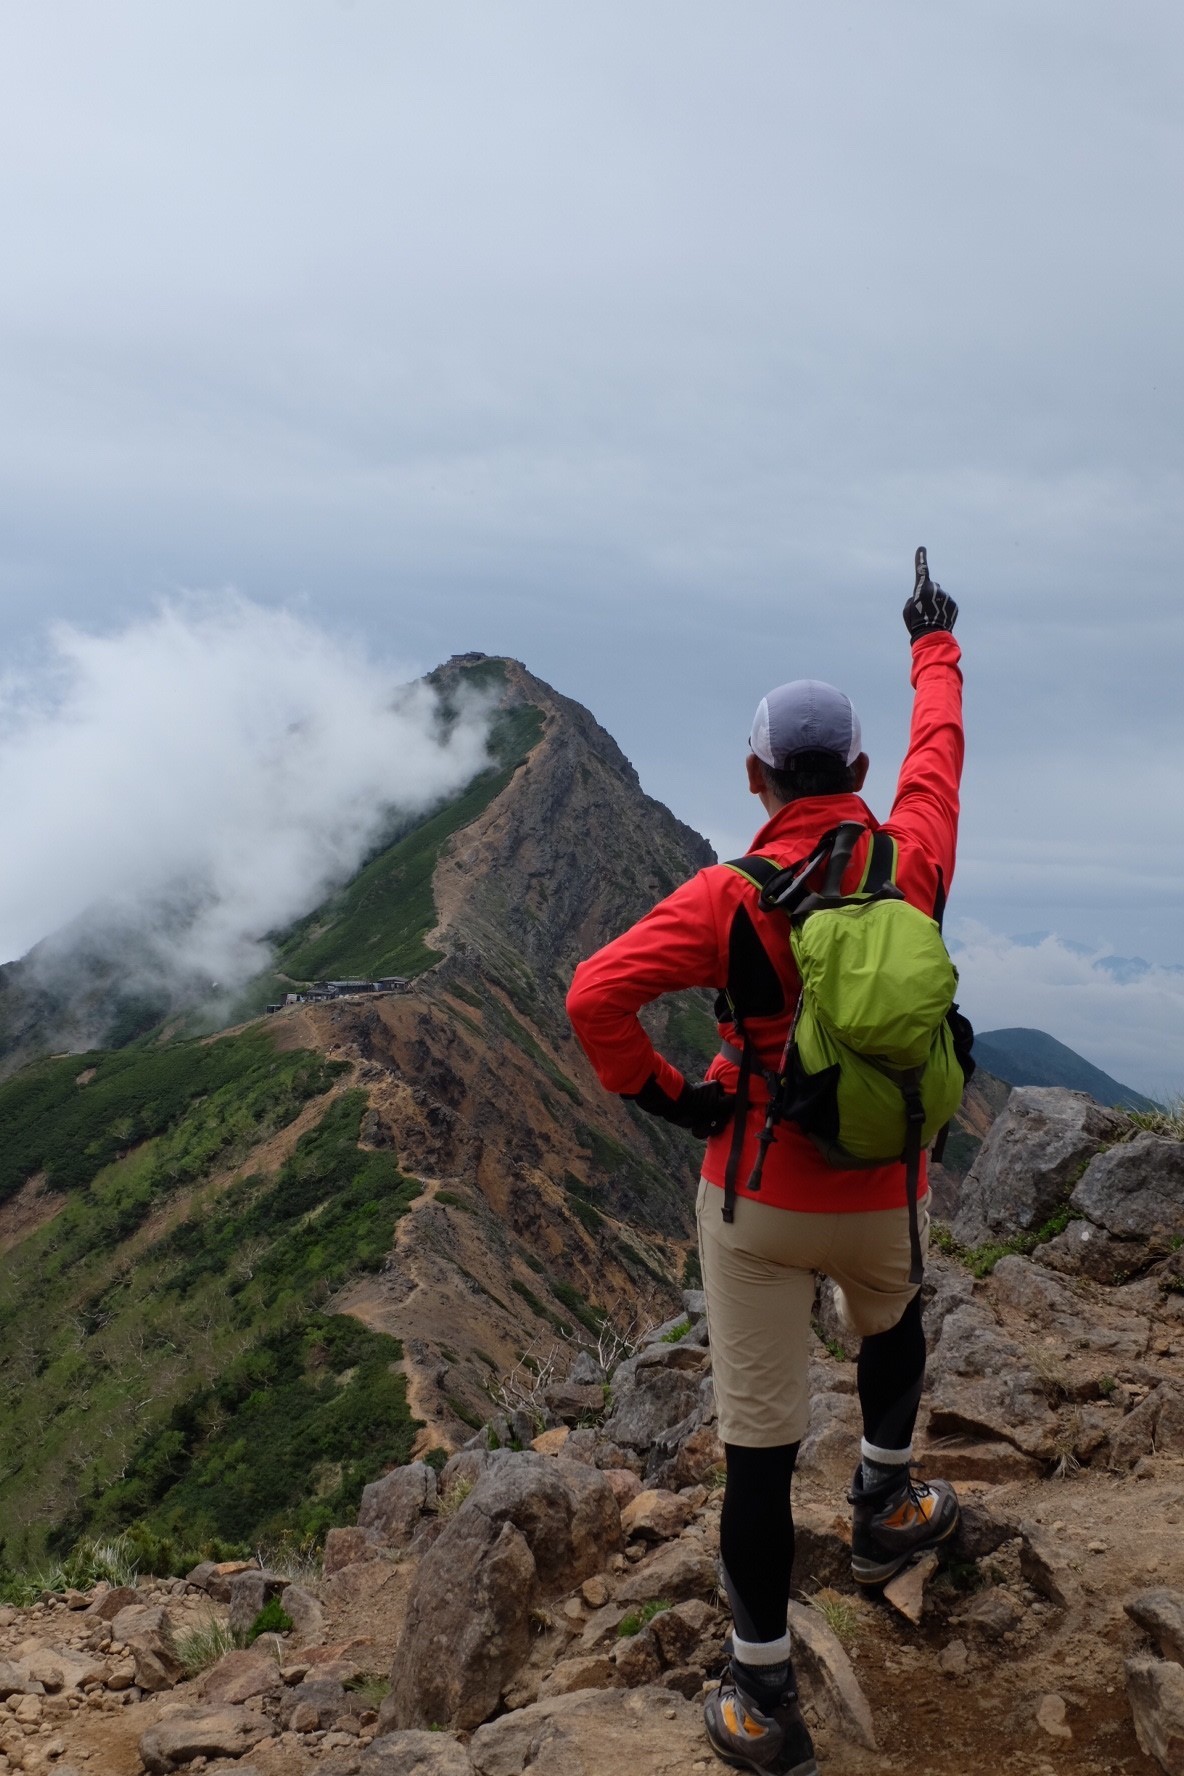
[(594, 1733), (906, 1592), (1050, 1715), (415, 1753), (655, 1515), (200, 1732)]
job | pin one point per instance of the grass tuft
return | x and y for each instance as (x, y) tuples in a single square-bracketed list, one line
[(1165, 1119), (839, 1614), (204, 1645), (450, 1502)]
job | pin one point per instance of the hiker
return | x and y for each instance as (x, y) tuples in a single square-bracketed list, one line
[(767, 1231)]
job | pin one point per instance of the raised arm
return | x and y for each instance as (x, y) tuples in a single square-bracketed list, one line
[(924, 817)]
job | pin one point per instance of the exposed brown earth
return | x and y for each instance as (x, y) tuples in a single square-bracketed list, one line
[(34, 1205)]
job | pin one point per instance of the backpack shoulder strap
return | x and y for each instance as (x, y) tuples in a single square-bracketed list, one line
[(760, 871), (880, 865)]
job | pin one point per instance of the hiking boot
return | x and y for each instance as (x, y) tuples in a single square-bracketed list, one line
[(750, 1736), (896, 1520)]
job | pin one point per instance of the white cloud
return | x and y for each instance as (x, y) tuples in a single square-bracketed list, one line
[(1123, 1015), (218, 756)]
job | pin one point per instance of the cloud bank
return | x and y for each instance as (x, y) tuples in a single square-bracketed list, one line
[(1123, 1014), (206, 775)]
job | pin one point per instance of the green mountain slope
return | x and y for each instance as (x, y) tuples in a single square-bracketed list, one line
[(1032, 1057), (141, 1320)]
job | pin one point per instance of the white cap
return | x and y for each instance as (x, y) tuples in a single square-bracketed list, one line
[(805, 716)]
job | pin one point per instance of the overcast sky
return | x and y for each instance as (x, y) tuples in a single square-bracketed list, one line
[(645, 342)]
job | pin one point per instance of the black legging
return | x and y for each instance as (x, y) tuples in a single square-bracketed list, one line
[(756, 1527)]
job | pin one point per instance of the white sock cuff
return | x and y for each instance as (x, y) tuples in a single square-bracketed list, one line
[(761, 1652), (885, 1458)]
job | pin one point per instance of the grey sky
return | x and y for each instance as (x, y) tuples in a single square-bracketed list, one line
[(643, 343)]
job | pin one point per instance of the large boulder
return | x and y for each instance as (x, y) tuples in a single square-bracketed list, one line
[(1032, 1157), (393, 1508), (1136, 1191), (532, 1527)]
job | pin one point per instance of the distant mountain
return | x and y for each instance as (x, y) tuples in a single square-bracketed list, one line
[(1033, 1057), (243, 1273)]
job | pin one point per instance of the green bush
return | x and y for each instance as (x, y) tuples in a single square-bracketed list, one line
[(637, 1619), (282, 1443), (272, 1619)]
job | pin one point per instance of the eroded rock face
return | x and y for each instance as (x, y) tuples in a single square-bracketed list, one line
[(1136, 1191), (1030, 1160), (532, 1527)]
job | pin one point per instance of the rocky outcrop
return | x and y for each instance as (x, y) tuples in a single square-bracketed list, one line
[(530, 1528), (1136, 1192), (1034, 1154)]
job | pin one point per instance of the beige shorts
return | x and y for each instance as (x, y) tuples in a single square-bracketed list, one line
[(759, 1277)]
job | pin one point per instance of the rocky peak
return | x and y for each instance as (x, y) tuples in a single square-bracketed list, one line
[(571, 852)]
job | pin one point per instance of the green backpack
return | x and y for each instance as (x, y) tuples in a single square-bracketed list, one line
[(877, 1054)]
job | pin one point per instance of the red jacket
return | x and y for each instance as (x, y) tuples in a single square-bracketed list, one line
[(693, 937)]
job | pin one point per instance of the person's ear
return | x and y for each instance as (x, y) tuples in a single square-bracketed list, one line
[(756, 776), (861, 767)]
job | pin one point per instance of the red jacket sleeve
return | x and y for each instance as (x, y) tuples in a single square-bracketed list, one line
[(924, 817), (676, 945)]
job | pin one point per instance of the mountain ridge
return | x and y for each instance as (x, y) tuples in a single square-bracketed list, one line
[(1023, 1056)]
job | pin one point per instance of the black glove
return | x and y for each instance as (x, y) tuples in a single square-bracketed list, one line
[(704, 1109), (929, 609)]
